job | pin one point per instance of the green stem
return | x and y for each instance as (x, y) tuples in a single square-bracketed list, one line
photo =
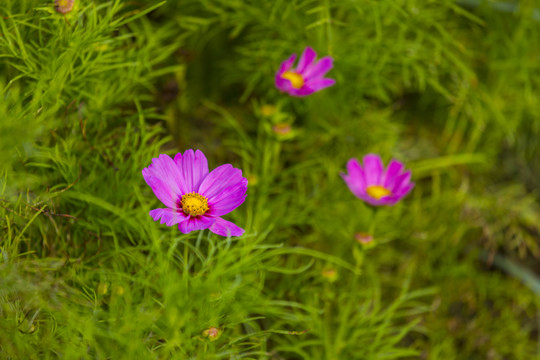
[(373, 222), (186, 265)]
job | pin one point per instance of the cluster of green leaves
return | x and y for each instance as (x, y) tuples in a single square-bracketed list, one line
[(87, 99)]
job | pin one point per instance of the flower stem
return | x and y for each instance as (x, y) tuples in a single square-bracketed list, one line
[(373, 221), (186, 265)]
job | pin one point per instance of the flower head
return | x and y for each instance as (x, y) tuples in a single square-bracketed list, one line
[(376, 185), (282, 129), (364, 238), (195, 198), (330, 274), (307, 77), (63, 6), (212, 333)]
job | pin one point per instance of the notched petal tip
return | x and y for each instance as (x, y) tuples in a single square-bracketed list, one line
[(286, 65), (319, 69), (226, 228), (373, 168), (372, 157), (200, 154), (353, 163), (219, 179), (167, 216), (307, 59), (405, 190), (145, 172)]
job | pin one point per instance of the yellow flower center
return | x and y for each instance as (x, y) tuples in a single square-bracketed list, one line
[(296, 80), (194, 204), (377, 192)]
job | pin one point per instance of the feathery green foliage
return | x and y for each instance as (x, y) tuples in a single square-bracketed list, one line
[(87, 99)]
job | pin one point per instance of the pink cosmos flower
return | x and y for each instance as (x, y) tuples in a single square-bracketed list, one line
[(376, 185), (307, 77), (195, 199)]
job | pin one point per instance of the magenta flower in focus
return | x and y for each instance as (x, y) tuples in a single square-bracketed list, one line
[(376, 185), (307, 77), (195, 199)]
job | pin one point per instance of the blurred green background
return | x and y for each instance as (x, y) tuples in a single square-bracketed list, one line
[(88, 98)]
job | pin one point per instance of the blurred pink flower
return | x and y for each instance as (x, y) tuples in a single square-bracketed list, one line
[(212, 333), (376, 185), (363, 238), (195, 198), (63, 6), (307, 77)]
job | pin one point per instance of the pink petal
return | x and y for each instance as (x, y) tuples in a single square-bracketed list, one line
[(226, 228), (404, 191), (319, 84), (319, 69), (372, 201), (385, 200), (228, 200), (282, 84), (193, 167), (355, 179), (195, 223), (168, 216), (396, 197), (389, 201), (373, 168), (303, 91), (162, 191), (308, 88), (165, 180), (391, 173), (286, 65), (307, 58), (355, 169), (402, 181), (220, 179)]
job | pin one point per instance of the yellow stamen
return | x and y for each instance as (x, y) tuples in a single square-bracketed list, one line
[(296, 80), (377, 191), (194, 204)]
